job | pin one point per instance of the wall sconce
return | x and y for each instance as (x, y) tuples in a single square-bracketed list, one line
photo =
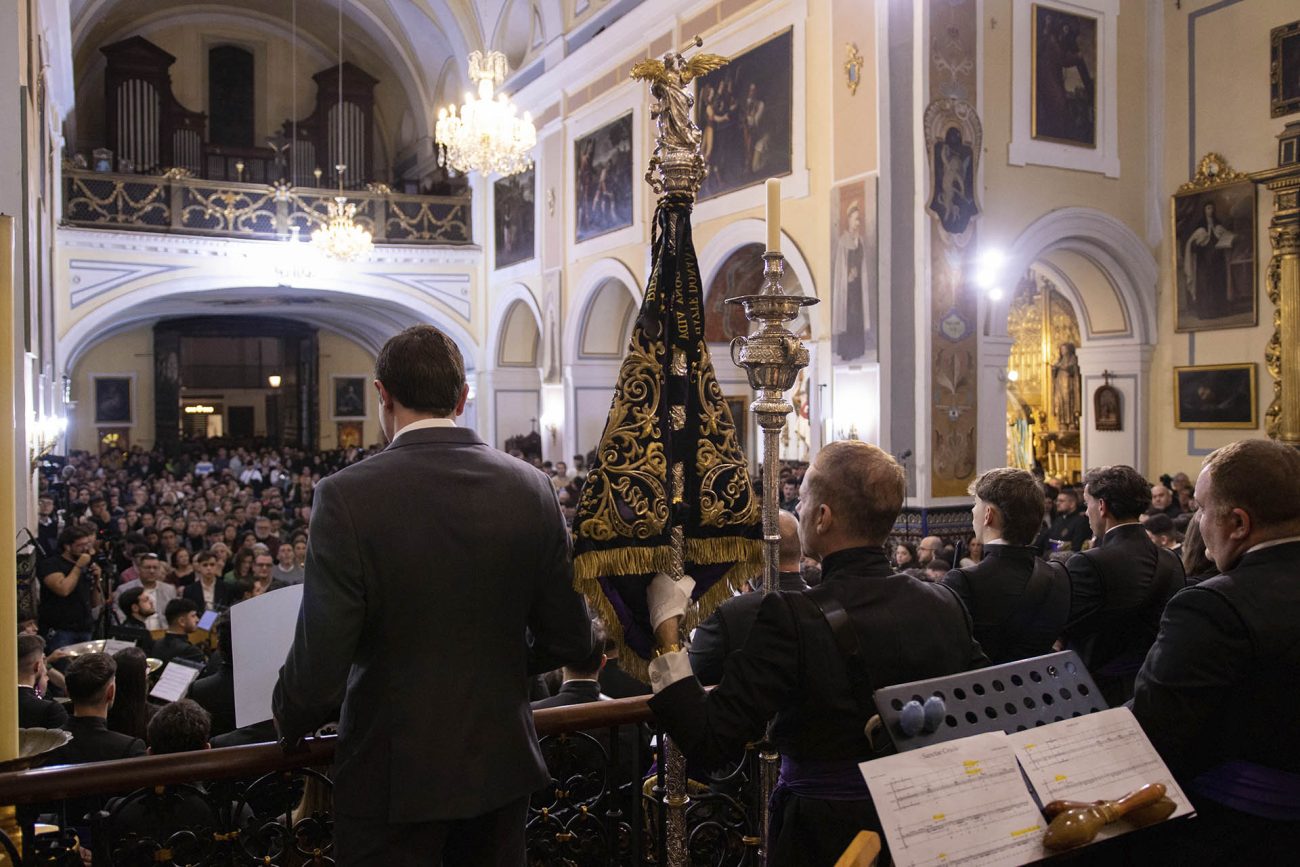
[(45, 437), (274, 380)]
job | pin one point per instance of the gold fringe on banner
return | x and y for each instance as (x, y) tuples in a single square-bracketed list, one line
[(590, 565)]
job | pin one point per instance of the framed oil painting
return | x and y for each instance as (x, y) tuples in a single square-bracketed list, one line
[(853, 269), (113, 400), (1284, 69), (1064, 83), (349, 397), (350, 434), (603, 179), (514, 217), (1214, 251), (743, 111), (1216, 396)]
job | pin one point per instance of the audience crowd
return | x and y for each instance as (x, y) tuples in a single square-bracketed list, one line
[(141, 546)]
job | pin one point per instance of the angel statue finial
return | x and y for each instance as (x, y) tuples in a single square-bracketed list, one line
[(677, 145)]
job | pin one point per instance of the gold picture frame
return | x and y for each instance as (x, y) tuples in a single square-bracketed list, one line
[(1214, 227), (1063, 94), (1217, 396), (1284, 69)]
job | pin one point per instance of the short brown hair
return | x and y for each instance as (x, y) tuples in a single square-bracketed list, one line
[(29, 647), (1126, 491), (88, 677), (423, 370), (1260, 477), (862, 484), (1018, 499)]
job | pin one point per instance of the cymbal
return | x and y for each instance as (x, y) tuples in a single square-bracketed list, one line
[(75, 650)]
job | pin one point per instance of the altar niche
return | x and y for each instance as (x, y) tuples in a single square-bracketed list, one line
[(1045, 406)]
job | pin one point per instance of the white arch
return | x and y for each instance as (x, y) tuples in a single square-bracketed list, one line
[(1112, 247), (580, 302), (506, 298), (751, 231), (149, 303)]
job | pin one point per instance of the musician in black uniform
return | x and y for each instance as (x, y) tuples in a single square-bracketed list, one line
[(791, 667), (1217, 693), (1119, 587), (1017, 601)]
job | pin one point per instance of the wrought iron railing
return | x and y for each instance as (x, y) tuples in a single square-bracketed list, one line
[(258, 805), (177, 203)]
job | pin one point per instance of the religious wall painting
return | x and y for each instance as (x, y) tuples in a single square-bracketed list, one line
[(552, 368), (349, 397), (854, 247), (514, 217), (603, 179), (113, 400), (741, 273), (1284, 69), (1216, 396), (1214, 233), (351, 435), (1064, 87), (954, 136), (744, 112), (1107, 407)]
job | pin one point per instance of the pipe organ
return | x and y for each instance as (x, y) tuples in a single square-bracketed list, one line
[(150, 132)]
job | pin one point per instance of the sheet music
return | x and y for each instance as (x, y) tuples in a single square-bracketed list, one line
[(262, 632), (1098, 756), (207, 620), (959, 802), (174, 681)]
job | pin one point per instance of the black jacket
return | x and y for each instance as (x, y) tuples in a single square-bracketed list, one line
[(1118, 591), (1067, 533), (216, 694), (420, 590), (134, 630), (790, 667), (617, 683), (1220, 682), (1017, 601), (725, 630), (221, 594), (93, 742), (172, 646), (35, 712), (572, 692)]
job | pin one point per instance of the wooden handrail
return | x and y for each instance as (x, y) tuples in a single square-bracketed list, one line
[(125, 775)]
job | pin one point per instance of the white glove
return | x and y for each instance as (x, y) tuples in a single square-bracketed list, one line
[(668, 598)]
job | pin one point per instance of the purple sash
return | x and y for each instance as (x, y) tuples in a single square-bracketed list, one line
[(1255, 789), (826, 780)]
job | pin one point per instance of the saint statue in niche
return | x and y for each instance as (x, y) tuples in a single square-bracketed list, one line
[(1066, 388)]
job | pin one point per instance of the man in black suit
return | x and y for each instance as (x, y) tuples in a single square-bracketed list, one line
[(1217, 693), (415, 577), (726, 629), (182, 619), (138, 607), (92, 687), (1069, 530), (208, 592), (34, 710), (792, 668), (1118, 588), (581, 682), (1018, 601)]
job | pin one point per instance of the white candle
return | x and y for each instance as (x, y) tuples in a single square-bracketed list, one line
[(773, 215)]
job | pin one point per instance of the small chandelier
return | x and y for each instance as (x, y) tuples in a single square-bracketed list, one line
[(342, 237), (486, 137)]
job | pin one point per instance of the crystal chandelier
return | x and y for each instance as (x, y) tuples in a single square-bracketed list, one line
[(342, 237), (486, 136)]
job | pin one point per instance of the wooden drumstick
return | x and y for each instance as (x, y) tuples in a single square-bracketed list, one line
[(1080, 825)]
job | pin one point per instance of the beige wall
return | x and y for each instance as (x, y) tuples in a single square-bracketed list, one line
[(127, 354), (341, 356), (1229, 115)]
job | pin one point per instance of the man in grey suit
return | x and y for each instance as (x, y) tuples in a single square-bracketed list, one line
[(431, 564)]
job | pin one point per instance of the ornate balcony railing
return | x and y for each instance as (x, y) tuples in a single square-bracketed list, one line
[(175, 202), (250, 805)]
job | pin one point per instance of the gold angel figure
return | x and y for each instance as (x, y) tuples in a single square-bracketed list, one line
[(668, 79)]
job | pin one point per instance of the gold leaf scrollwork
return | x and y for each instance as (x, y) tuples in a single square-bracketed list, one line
[(627, 496), (726, 498)]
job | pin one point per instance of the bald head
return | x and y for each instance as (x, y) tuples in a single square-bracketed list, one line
[(929, 548), (789, 551)]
